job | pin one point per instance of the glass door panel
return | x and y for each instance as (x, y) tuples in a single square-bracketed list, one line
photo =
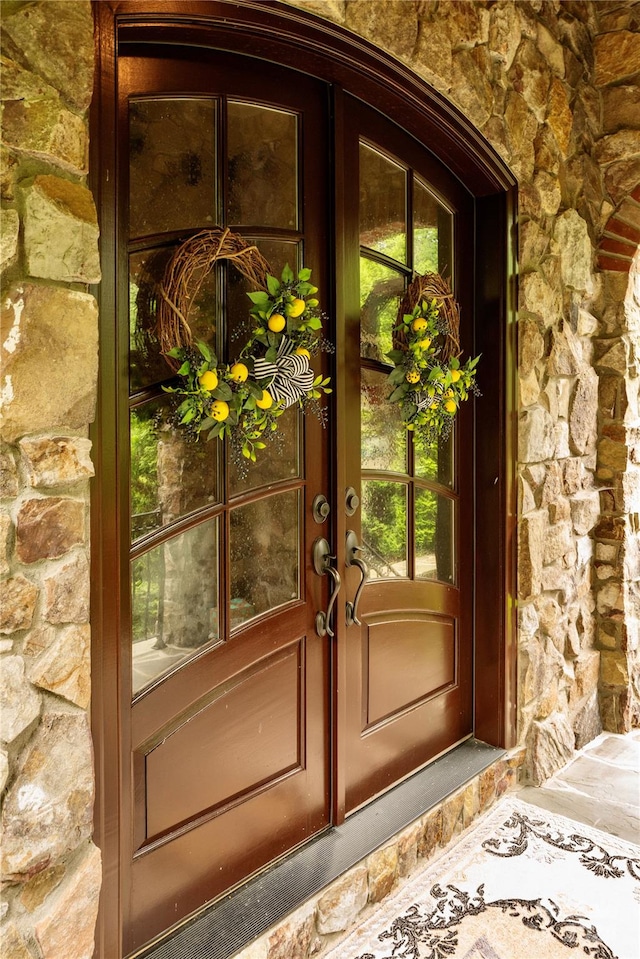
[(383, 204), (263, 167), (172, 164), (174, 602)]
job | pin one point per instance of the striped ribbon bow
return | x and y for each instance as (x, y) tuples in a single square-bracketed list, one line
[(290, 376)]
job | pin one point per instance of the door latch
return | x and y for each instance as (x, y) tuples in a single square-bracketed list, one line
[(352, 559), (322, 557)]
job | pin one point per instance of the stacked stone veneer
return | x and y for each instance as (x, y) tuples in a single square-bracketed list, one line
[(51, 870), (324, 920), (533, 77)]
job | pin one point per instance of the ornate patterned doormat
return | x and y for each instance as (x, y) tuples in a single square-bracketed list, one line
[(523, 884)]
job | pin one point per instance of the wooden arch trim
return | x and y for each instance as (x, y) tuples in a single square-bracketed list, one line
[(621, 236)]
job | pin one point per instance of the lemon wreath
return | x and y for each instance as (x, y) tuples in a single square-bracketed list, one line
[(428, 380), (243, 399)]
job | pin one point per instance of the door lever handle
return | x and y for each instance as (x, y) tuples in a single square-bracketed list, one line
[(351, 559), (322, 565)]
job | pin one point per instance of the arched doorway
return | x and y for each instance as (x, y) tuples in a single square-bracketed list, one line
[(241, 731)]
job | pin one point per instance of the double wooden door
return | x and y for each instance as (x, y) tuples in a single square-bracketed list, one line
[(248, 725)]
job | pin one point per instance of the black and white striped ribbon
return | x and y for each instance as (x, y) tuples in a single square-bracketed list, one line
[(290, 376)]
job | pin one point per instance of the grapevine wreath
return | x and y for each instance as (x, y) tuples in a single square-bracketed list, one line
[(428, 381), (242, 399)]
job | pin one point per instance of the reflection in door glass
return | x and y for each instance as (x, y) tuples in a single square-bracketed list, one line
[(174, 602), (384, 439), (432, 233), (279, 461), (384, 528), (434, 460), (434, 536), (171, 475), (265, 555), (263, 180), (380, 291), (171, 165), (383, 204)]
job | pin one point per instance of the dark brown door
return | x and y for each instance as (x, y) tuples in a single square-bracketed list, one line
[(227, 684), (409, 663)]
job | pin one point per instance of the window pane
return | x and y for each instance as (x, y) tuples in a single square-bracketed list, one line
[(381, 289), (147, 366), (171, 475), (384, 528), (174, 602), (265, 555), (239, 324), (434, 536), (434, 461), (384, 438), (383, 198), (171, 165), (279, 461), (432, 233), (263, 167)]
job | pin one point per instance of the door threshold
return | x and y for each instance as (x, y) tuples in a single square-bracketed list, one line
[(233, 922)]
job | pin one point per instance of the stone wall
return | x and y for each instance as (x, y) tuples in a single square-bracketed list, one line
[(552, 85), (51, 871)]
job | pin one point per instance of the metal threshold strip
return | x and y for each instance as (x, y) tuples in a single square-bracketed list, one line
[(233, 922)]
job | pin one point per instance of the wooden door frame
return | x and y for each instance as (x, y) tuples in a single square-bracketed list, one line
[(346, 62)]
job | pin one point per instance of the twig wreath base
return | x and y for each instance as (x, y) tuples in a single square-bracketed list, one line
[(428, 381), (244, 399)]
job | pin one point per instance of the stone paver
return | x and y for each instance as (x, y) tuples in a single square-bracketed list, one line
[(600, 787)]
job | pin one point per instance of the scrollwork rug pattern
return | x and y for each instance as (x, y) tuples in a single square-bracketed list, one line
[(522, 884)]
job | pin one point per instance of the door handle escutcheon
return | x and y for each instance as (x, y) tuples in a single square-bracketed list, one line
[(322, 564), (351, 559)]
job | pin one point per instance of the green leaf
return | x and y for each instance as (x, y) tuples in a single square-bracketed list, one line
[(395, 355), (287, 274), (175, 353), (273, 285), (397, 394), (314, 323), (304, 273), (204, 349), (271, 354), (188, 416), (222, 392), (184, 369), (260, 298), (396, 376), (254, 389)]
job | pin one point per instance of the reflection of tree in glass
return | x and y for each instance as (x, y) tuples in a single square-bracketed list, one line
[(380, 292), (144, 470), (383, 435), (384, 521)]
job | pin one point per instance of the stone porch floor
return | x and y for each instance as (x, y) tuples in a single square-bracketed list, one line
[(600, 787)]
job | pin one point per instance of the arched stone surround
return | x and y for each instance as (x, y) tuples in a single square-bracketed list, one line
[(538, 80)]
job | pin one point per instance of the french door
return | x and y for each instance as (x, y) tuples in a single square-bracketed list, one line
[(226, 678), (409, 655), (293, 637)]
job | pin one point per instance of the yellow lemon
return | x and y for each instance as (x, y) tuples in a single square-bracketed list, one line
[(238, 372), (450, 406), (302, 352), (208, 380), (424, 344), (276, 323), (455, 375), (265, 401), (419, 324), (219, 410), (413, 376), (296, 308), (448, 394)]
